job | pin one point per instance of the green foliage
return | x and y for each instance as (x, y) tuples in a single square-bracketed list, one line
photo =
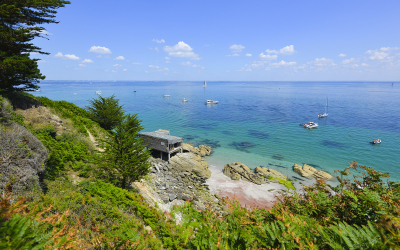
[(125, 158), (64, 150), (19, 25), (23, 233), (80, 117), (106, 111)]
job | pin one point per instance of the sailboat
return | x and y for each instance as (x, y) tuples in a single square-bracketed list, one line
[(204, 84), (134, 89), (326, 110)]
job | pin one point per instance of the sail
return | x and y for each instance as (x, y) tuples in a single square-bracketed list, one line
[(204, 84)]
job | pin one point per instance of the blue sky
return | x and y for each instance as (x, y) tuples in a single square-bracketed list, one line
[(224, 41)]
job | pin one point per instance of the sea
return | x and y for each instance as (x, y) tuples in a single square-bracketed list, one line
[(259, 123)]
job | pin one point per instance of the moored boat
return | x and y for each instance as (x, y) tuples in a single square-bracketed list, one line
[(310, 125), (376, 141), (184, 100), (211, 102)]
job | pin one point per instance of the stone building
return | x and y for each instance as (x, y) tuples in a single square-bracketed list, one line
[(162, 143)]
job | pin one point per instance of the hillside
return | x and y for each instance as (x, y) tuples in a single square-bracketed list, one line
[(51, 197)]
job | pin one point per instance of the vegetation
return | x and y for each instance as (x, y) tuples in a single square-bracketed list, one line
[(19, 25), (106, 111), (362, 212), (125, 158)]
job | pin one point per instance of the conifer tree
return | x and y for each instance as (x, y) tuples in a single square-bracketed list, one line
[(19, 20), (106, 111), (125, 158)]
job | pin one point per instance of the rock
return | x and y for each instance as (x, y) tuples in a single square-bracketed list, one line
[(202, 150), (310, 172), (198, 205), (267, 173), (148, 229), (190, 162), (185, 197), (239, 171), (172, 197)]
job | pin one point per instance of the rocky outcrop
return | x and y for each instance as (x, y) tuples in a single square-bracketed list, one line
[(310, 172), (190, 162), (184, 179), (239, 171), (270, 175), (202, 150)]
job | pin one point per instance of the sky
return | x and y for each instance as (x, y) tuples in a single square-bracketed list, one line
[(173, 40)]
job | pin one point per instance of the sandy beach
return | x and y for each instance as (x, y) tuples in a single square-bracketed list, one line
[(246, 193)]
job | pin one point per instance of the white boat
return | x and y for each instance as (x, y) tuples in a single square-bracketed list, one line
[(310, 125), (204, 84), (376, 141), (211, 102), (326, 111), (184, 100), (98, 92), (166, 95)]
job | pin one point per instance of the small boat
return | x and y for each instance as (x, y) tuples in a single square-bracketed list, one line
[(184, 100), (310, 125), (98, 92), (134, 89), (211, 102), (204, 84), (376, 141), (166, 95), (326, 111)]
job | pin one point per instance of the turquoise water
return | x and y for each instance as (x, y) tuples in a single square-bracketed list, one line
[(257, 123)]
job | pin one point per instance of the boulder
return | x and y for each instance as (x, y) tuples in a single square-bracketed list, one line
[(239, 171), (269, 174), (190, 162), (310, 172), (202, 150)]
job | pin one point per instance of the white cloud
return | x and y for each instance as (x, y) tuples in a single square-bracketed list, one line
[(247, 54), (71, 57), (258, 64), (389, 48), (267, 57), (354, 66), (186, 63), (370, 51), (136, 63), (364, 64), (378, 55), (106, 70), (167, 62), (236, 54), (82, 65), (113, 71), (347, 61), (237, 48), (181, 49), (288, 50), (165, 69), (167, 58), (124, 70), (87, 61), (282, 63), (342, 55), (146, 72), (119, 58), (322, 62), (59, 55), (156, 49), (154, 67), (117, 65), (272, 51), (159, 41), (243, 69), (100, 50)]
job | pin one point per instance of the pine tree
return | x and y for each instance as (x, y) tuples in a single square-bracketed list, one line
[(125, 158), (106, 111), (18, 27)]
